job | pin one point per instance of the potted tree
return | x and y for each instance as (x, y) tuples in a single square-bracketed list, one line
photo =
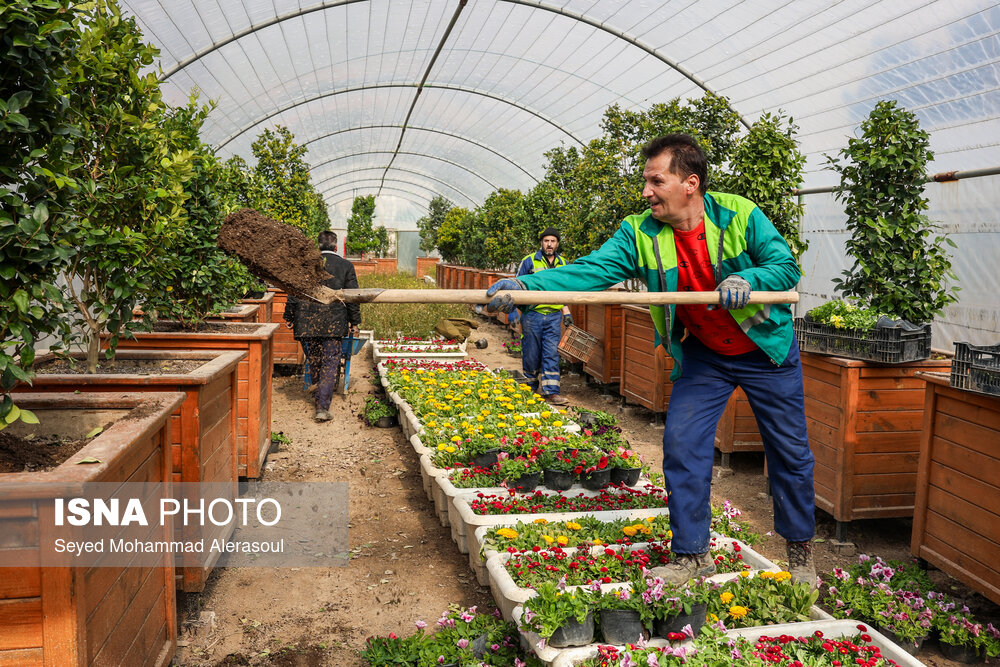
[(864, 417)]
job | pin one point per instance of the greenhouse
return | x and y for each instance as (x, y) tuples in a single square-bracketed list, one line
[(254, 251)]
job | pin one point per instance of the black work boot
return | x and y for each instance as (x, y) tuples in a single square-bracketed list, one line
[(800, 562)]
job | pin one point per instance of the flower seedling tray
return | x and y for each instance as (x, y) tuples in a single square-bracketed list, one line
[(379, 353), (508, 594), (885, 345), (468, 521), (831, 629)]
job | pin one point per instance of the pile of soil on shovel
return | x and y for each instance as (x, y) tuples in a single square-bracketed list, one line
[(273, 251), (37, 454)]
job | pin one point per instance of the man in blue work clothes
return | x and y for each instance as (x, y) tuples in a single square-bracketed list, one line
[(541, 325), (693, 240)]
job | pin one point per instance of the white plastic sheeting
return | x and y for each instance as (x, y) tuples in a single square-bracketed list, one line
[(408, 100)]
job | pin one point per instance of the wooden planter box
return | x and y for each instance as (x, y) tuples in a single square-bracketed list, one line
[(737, 430), (287, 350), (203, 427), (605, 322), (426, 264), (645, 370), (956, 521), (253, 396), (864, 424), (78, 616), (245, 312), (266, 311), (385, 265)]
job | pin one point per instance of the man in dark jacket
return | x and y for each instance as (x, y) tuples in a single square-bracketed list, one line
[(321, 328)]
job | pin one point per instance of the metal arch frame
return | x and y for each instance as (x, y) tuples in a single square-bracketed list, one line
[(415, 199), (424, 155), (417, 86), (408, 171), (375, 188), (337, 189), (690, 76), (215, 46), (428, 129)]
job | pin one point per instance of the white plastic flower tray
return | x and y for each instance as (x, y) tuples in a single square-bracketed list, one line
[(508, 594), (570, 657), (379, 354), (467, 521)]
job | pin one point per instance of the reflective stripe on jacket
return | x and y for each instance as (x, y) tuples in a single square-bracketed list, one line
[(532, 264)]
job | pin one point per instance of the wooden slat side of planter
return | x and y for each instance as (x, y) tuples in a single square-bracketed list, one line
[(605, 322), (956, 519), (287, 350), (864, 429), (737, 431), (645, 370), (76, 615), (244, 312), (254, 373), (266, 303)]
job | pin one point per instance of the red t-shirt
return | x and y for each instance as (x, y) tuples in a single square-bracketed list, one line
[(715, 328)]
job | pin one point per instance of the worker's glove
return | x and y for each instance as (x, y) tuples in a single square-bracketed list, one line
[(734, 292), (514, 317), (568, 320), (504, 302)]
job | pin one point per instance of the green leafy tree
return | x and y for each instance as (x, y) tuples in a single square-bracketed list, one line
[(360, 230), (766, 165), (132, 179), (202, 280), (279, 185), (506, 231), (456, 221), (899, 267), (380, 241), (37, 40), (428, 225)]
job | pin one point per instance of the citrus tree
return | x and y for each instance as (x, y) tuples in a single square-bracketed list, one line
[(428, 225), (900, 267), (451, 231), (131, 196), (37, 40), (361, 236)]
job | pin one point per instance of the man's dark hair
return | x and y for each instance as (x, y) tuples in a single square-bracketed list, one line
[(686, 156), (327, 241)]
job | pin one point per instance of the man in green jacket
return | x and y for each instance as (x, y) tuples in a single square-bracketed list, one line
[(693, 240)]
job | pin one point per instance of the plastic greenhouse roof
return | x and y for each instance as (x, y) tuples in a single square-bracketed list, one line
[(409, 100)]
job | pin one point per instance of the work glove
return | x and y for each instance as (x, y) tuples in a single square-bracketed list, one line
[(504, 302), (734, 292), (568, 320), (514, 317)]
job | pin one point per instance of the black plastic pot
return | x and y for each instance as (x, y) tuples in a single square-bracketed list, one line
[(910, 646), (388, 421), (524, 483), (626, 476), (597, 480), (621, 626), (486, 459), (573, 633), (696, 619), (963, 654), (558, 480)]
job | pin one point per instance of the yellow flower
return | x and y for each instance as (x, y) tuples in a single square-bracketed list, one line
[(737, 611), (598, 541), (713, 618), (531, 402), (441, 446), (502, 424), (480, 418), (745, 574), (766, 574), (557, 423), (450, 449), (629, 530), (483, 396), (509, 533), (536, 422), (541, 520), (548, 539), (467, 392), (782, 576), (563, 540), (489, 435), (432, 424), (519, 422), (546, 414), (649, 519), (726, 597), (573, 525)]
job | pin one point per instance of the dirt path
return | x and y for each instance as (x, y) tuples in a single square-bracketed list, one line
[(404, 565)]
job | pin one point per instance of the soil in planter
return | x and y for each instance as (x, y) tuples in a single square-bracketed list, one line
[(37, 454), (273, 251), (121, 366), (170, 326)]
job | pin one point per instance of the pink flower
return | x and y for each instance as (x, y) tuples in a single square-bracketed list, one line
[(462, 643), (420, 625)]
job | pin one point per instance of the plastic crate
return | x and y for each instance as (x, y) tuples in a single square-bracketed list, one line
[(577, 344), (976, 368), (885, 345)]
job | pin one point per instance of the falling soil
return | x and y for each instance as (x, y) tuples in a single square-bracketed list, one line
[(36, 454), (273, 251), (121, 366), (170, 326)]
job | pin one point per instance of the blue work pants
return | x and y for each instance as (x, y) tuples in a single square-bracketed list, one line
[(697, 401), (324, 368), (540, 350)]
